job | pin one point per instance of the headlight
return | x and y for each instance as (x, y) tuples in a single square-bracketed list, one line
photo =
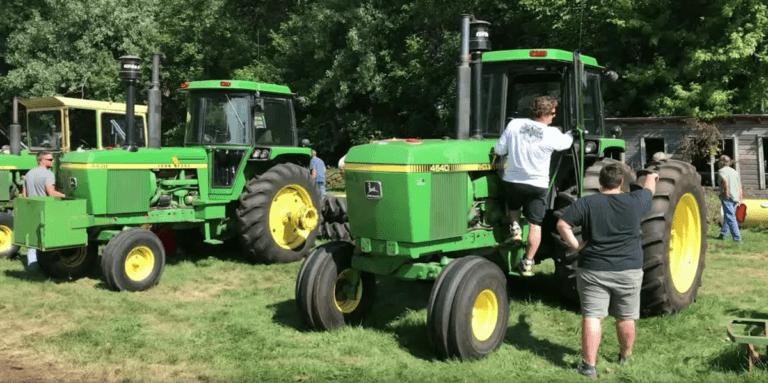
[(264, 154), (256, 153), (590, 147)]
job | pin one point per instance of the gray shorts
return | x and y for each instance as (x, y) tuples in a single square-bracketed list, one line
[(609, 292)]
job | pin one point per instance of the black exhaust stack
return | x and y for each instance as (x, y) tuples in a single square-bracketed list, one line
[(130, 72), (15, 129), (474, 41), (463, 82), (155, 104)]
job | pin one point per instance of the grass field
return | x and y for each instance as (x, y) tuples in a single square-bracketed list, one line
[(217, 318)]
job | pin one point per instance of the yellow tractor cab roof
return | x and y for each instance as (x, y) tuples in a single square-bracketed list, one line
[(58, 102)]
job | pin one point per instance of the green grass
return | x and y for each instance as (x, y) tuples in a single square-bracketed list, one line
[(220, 319)]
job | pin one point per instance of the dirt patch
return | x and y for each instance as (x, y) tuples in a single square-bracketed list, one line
[(27, 367)]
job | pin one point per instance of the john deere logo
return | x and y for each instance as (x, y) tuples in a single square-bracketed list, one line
[(372, 189), (72, 182)]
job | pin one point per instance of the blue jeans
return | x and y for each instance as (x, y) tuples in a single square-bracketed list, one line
[(729, 221), (321, 185)]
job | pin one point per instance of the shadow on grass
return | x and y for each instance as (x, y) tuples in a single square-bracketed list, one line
[(734, 359), (747, 314), (396, 300), (521, 337)]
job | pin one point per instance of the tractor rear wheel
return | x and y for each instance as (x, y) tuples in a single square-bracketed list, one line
[(277, 215), (133, 260), (674, 239), (326, 297), (468, 309), (70, 264), (7, 248)]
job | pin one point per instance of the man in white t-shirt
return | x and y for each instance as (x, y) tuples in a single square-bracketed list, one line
[(528, 144)]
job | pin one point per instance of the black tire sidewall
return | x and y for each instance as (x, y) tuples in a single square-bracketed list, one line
[(114, 257), (51, 264), (7, 220)]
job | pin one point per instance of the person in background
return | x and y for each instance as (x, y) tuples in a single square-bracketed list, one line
[(39, 182), (610, 264), (529, 144), (317, 169), (730, 197)]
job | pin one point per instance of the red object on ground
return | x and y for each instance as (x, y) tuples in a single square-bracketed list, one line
[(166, 237), (741, 213)]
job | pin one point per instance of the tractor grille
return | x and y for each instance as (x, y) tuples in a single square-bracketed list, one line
[(127, 191), (449, 196)]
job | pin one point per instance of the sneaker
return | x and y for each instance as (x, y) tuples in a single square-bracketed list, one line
[(526, 267), (622, 360), (720, 238), (587, 370)]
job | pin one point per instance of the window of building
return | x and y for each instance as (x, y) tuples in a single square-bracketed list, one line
[(653, 146)]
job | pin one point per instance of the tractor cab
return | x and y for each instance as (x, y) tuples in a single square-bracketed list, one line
[(513, 78), (243, 125)]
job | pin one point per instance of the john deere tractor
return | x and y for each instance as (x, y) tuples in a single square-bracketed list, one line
[(435, 210), (58, 125), (240, 176)]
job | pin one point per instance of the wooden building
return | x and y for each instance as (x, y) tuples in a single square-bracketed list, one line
[(745, 141)]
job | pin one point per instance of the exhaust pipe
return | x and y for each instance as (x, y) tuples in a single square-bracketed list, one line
[(130, 72), (463, 78), (15, 129), (478, 44), (155, 104)]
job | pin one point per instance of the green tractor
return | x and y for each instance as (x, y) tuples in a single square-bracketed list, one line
[(59, 125), (434, 209), (240, 176)]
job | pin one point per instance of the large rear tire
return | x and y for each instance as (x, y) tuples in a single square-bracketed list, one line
[(324, 294), (674, 239), (277, 215), (468, 310), (70, 264), (7, 248), (133, 260)]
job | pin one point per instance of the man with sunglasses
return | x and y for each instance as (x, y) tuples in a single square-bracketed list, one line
[(39, 182), (529, 144)]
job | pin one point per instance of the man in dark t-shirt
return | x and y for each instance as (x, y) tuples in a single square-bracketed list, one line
[(610, 263)]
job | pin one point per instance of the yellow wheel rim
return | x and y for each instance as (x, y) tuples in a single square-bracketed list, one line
[(6, 235), (340, 299), (139, 263), (485, 314), (74, 257), (292, 217), (685, 243)]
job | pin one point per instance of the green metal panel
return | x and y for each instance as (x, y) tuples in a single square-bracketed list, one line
[(237, 84), (5, 185), (542, 54), (49, 223), (127, 191), (608, 143), (448, 209)]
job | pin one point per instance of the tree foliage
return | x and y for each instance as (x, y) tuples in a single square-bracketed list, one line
[(369, 69)]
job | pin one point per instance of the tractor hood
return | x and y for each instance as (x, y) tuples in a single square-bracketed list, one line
[(421, 156), (144, 158)]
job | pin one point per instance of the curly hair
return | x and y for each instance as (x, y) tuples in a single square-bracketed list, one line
[(541, 106)]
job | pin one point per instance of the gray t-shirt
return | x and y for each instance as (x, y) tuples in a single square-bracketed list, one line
[(36, 180), (732, 180)]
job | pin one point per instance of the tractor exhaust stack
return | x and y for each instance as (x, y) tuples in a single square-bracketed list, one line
[(15, 129), (463, 82), (155, 104)]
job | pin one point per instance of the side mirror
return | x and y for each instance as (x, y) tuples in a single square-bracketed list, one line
[(611, 75)]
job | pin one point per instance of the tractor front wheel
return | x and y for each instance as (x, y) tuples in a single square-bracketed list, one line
[(7, 248), (326, 293), (277, 215), (133, 260), (71, 264), (468, 309)]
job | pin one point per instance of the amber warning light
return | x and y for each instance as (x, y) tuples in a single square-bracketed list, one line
[(184, 85), (225, 83), (538, 53)]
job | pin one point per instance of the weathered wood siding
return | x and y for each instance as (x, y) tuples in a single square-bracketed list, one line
[(747, 131)]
